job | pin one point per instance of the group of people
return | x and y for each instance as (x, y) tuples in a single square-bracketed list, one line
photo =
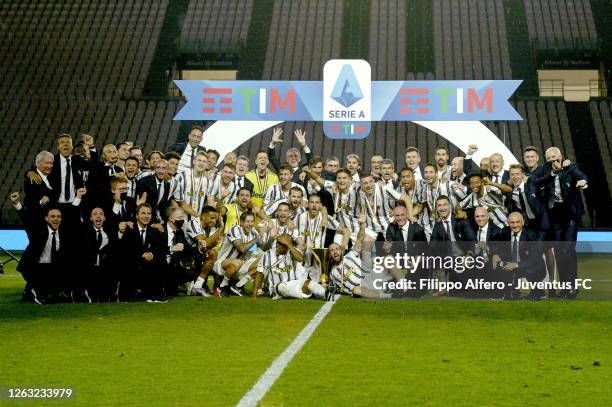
[(117, 225)]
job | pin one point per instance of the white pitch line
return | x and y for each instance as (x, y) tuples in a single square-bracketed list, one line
[(267, 379)]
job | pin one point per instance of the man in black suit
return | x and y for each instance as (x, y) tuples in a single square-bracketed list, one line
[(492, 167), (404, 236), (448, 227), (565, 210), (487, 233), (524, 199), (293, 156), (182, 266), (450, 235), (97, 278), (520, 257), (155, 190), (412, 156), (142, 271), (38, 194), (242, 166), (119, 206), (43, 264), (188, 149), (64, 177)]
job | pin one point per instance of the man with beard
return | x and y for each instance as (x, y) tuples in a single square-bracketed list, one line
[(232, 212), (236, 259), (155, 190), (312, 227), (286, 276), (443, 170), (261, 178), (346, 271), (222, 186), (206, 233), (432, 187), (280, 192)]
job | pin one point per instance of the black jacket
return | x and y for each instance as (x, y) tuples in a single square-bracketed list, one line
[(148, 184), (415, 234)]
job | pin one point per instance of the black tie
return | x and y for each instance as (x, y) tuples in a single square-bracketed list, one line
[(192, 156), (67, 185), (479, 234), (99, 239), (447, 229), (515, 248), (239, 182), (142, 236), (53, 247)]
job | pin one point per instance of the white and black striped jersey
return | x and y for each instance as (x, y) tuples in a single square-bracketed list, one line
[(275, 193), (492, 200), (280, 268), (281, 230), (378, 210), (348, 273), (144, 173), (216, 188), (236, 233), (345, 208), (193, 190), (312, 230), (272, 206), (428, 195), (193, 228)]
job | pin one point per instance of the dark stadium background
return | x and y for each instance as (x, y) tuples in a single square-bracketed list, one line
[(105, 68)]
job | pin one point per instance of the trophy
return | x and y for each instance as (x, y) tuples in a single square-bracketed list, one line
[(321, 259)]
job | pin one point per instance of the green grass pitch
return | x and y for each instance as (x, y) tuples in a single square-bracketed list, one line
[(194, 351)]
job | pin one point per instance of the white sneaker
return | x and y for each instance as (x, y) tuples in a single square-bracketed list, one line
[(200, 292)]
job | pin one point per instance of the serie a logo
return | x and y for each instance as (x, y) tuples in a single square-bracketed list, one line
[(347, 99)]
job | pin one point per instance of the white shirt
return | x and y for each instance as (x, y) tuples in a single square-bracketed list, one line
[(104, 242), (185, 162), (63, 164), (144, 237), (451, 232), (44, 178), (45, 256), (481, 233), (520, 190)]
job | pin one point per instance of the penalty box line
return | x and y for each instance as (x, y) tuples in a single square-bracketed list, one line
[(267, 379)]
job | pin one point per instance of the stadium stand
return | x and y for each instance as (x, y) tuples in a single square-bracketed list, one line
[(216, 24), (561, 24)]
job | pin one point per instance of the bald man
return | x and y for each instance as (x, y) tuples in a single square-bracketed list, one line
[(565, 209), (521, 257)]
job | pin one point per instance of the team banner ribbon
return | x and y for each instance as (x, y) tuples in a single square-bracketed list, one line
[(347, 101)]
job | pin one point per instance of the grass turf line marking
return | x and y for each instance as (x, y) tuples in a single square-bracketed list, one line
[(267, 379)]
